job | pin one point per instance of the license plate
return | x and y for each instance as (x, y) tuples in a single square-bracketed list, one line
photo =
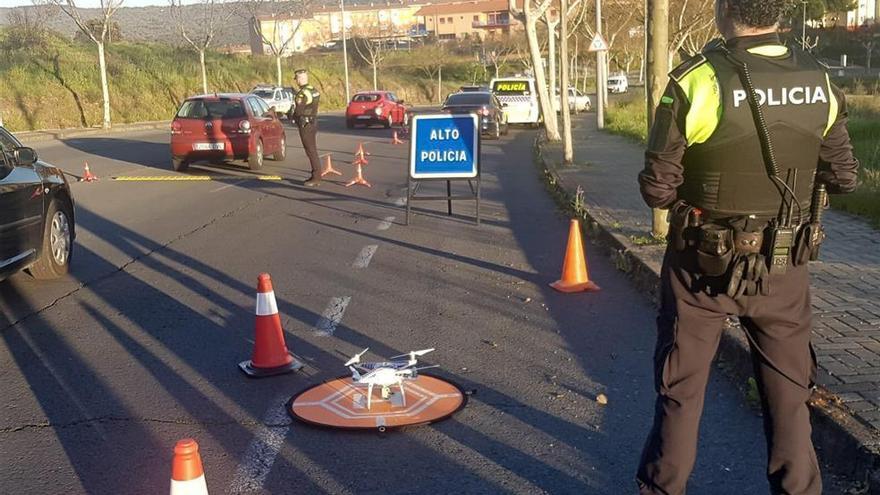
[(209, 146), (365, 117)]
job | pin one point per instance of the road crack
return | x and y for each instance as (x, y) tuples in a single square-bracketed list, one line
[(135, 259)]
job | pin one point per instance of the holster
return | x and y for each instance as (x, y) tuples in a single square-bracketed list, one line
[(714, 249), (684, 221), (808, 243)]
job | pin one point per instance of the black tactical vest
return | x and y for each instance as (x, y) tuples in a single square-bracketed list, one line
[(726, 176)]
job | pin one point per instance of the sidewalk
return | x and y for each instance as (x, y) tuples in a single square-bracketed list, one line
[(29, 137), (845, 289)]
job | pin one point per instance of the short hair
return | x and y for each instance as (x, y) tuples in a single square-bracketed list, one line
[(757, 13)]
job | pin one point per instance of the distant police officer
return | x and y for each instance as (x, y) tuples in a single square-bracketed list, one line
[(305, 114), (747, 138)]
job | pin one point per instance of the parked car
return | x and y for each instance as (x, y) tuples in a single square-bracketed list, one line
[(281, 99), (37, 226), (222, 127), (618, 84), (376, 107), (493, 118), (577, 101)]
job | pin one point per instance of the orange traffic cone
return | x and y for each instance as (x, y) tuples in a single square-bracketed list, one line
[(270, 356), (88, 176), (574, 270), (395, 139), (360, 156), (359, 177), (328, 168), (187, 475)]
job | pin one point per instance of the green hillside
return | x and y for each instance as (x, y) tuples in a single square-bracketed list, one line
[(56, 84)]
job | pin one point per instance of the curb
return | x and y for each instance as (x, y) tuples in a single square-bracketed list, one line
[(58, 134), (845, 445)]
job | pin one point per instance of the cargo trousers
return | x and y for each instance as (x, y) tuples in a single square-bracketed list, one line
[(308, 134), (690, 323)]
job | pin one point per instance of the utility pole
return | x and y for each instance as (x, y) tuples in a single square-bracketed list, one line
[(345, 52), (601, 79), (658, 67), (804, 28)]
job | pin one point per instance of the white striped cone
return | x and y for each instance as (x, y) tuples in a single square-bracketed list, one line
[(270, 356), (187, 474)]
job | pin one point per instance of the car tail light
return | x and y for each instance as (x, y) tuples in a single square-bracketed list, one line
[(176, 128), (484, 112), (244, 127), (378, 110)]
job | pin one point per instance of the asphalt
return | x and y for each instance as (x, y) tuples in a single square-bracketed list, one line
[(102, 372)]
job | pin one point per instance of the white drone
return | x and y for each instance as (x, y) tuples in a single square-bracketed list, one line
[(386, 374)]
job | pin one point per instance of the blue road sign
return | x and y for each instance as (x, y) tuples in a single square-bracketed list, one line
[(445, 147)]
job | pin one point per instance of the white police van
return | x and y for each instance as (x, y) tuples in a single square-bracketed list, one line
[(520, 97)]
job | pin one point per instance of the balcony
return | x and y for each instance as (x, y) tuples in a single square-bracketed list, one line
[(491, 24)]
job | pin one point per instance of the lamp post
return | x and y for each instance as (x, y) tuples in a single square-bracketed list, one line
[(804, 27), (345, 52)]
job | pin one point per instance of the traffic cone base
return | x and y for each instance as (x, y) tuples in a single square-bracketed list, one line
[(270, 356), (572, 288), (574, 269), (360, 156), (250, 370), (359, 178), (395, 139), (328, 168)]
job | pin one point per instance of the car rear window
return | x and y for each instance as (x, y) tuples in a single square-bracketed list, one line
[(365, 98), (264, 93), (511, 88), (469, 99), (211, 109)]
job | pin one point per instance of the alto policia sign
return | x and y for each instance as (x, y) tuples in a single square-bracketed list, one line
[(444, 148)]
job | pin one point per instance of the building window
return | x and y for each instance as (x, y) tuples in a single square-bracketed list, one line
[(449, 20), (476, 18), (442, 20)]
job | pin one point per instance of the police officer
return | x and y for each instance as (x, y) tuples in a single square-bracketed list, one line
[(746, 135), (305, 114)]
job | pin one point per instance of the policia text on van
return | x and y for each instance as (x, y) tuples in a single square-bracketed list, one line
[(737, 171)]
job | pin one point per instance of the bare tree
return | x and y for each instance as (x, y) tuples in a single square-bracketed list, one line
[(529, 15), (198, 25), (430, 60), (99, 36), (28, 25), (691, 29), (371, 47), (284, 18), (498, 53)]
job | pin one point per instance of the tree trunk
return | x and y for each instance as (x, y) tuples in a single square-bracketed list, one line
[(440, 85), (550, 126), (658, 59), (204, 72), (568, 149), (551, 59), (375, 77), (105, 88), (278, 68)]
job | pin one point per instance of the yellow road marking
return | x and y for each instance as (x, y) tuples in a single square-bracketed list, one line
[(192, 178)]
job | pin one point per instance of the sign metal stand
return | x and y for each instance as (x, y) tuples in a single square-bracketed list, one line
[(466, 132)]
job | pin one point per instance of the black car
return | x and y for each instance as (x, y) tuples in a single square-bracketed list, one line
[(36, 213), (493, 118)]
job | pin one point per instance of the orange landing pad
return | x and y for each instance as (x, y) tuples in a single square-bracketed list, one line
[(341, 403)]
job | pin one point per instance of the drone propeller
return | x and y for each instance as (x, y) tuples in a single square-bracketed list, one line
[(413, 354), (357, 357)]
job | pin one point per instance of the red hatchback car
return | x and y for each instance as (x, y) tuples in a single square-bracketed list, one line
[(222, 127), (376, 107)]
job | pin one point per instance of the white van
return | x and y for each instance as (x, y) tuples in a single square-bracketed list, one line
[(618, 84), (519, 97)]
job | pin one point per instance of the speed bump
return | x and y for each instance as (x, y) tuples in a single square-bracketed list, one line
[(192, 178), (342, 404)]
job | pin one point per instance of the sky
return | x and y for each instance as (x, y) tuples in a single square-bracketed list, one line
[(88, 3)]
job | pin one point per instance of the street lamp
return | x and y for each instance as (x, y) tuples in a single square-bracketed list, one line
[(345, 52)]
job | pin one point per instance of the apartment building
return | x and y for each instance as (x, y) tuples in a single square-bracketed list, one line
[(478, 18)]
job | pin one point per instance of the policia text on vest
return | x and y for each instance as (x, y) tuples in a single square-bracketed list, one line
[(734, 214)]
